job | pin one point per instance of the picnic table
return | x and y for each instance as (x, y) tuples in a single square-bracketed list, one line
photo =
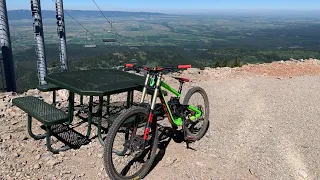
[(96, 82)]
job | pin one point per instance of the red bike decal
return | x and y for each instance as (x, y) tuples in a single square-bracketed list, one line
[(150, 118), (146, 132)]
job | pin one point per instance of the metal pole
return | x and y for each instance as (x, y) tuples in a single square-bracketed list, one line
[(2, 86), (6, 48), (39, 38), (62, 35)]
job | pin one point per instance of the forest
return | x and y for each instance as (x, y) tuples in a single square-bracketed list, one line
[(102, 57)]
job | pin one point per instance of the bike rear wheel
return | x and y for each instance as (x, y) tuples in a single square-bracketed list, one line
[(198, 98), (126, 154)]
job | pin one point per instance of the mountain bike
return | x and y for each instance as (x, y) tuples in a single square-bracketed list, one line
[(133, 137)]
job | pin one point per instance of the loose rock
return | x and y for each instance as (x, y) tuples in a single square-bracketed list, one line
[(81, 175), (52, 162), (37, 157), (37, 166), (46, 156), (7, 137), (303, 174), (72, 177), (15, 155)]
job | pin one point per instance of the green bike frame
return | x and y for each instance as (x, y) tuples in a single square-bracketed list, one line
[(178, 120), (158, 84)]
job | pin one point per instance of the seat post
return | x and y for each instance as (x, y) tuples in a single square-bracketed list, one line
[(180, 87)]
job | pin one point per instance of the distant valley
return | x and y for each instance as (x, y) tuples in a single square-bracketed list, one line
[(214, 40)]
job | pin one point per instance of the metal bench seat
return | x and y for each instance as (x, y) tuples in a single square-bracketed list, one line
[(47, 114)]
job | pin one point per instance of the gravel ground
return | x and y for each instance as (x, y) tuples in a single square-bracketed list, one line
[(261, 127)]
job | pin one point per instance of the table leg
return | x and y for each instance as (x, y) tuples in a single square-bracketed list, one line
[(129, 98), (71, 106), (100, 119), (90, 116), (54, 94), (81, 100), (108, 105)]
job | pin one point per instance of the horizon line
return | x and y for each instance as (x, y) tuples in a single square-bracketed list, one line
[(183, 10)]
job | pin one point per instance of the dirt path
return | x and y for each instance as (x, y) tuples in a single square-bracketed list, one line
[(261, 128)]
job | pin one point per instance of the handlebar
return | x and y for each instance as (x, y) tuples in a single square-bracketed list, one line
[(137, 68), (184, 66)]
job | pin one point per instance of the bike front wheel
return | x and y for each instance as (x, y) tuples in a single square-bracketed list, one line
[(127, 155)]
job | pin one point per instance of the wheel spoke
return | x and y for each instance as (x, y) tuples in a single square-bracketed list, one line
[(130, 154)]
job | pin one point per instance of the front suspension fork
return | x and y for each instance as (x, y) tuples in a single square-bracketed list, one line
[(148, 126), (153, 104)]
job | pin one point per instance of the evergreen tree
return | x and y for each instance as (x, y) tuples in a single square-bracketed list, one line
[(224, 63), (217, 64), (236, 63)]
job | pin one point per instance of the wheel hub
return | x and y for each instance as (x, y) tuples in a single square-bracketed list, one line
[(137, 143)]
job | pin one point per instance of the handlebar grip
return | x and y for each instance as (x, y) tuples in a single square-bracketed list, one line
[(129, 65), (184, 66)]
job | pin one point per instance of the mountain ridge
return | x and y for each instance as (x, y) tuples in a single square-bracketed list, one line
[(50, 14)]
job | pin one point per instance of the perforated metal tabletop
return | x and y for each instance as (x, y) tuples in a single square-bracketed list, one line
[(96, 82)]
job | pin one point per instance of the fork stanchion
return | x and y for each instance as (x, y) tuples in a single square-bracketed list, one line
[(100, 119), (90, 117)]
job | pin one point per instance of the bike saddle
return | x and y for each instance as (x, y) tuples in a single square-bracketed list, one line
[(181, 79)]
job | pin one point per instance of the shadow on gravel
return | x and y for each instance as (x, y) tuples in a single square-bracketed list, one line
[(69, 136), (167, 134), (108, 115)]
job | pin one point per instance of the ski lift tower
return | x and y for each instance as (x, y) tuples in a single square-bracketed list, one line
[(39, 38), (6, 49), (62, 35)]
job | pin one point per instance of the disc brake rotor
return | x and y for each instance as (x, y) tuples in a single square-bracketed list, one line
[(137, 143)]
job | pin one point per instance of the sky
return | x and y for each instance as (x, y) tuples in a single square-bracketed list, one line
[(192, 6)]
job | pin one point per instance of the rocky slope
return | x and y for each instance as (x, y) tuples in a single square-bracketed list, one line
[(264, 125)]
